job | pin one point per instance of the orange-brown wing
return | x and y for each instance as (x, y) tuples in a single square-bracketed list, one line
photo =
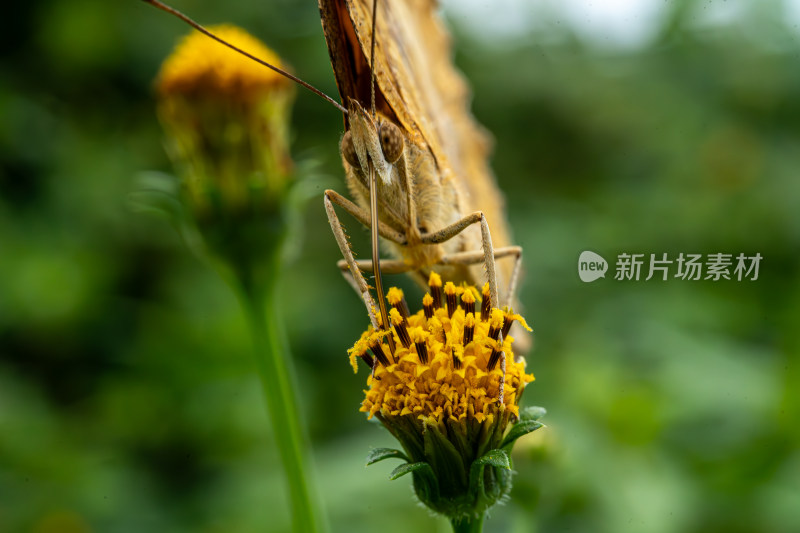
[(418, 86)]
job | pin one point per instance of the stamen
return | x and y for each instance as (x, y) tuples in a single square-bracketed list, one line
[(468, 299), (398, 301), (399, 324), (493, 359), (450, 294), (435, 283), (419, 336), (495, 324), (367, 358), (486, 302), (427, 305), (422, 352), (469, 328), (508, 320), (426, 386), (377, 349)]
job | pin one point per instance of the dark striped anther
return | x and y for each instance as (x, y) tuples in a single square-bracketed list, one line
[(486, 302), (456, 360), (469, 328), (468, 299), (367, 358), (422, 347), (399, 324), (435, 283), (398, 301), (508, 320), (493, 359), (495, 324), (377, 349), (451, 297), (427, 305)]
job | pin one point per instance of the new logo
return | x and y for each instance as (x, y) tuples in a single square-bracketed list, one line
[(591, 266)]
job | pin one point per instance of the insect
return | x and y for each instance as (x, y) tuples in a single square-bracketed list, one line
[(415, 159), (412, 152)]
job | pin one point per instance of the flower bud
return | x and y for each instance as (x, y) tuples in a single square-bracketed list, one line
[(226, 122)]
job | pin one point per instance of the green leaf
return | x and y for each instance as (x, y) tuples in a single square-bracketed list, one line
[(421, 467), (379, 454), (519, 429), (531, 413)]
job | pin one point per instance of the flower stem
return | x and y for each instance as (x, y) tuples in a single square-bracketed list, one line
[(468, 525), (258, 297)]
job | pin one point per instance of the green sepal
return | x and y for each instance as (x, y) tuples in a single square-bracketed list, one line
[(445, 460), (518, 430), (497, 458), (422, 467), (379, 454), (425, 483)]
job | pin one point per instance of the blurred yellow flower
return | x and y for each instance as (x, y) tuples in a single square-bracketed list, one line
[(226, 119)]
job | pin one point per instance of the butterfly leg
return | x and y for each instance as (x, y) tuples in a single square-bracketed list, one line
[(454, 229), (362, 215), (389, 266), (487, 255), (471, 258), (357, 280)]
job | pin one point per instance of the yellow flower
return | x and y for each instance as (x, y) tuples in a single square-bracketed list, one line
[(226, 119), (445, 367), (448, 392)]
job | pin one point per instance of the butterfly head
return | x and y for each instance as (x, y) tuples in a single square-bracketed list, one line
[(372, 138)]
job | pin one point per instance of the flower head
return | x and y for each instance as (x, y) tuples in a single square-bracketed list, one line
[(226, 119), (448, 393)]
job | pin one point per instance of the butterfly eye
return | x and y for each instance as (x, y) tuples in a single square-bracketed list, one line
[(391, 142), (348, 150)]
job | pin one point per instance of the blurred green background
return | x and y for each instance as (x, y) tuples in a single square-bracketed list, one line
[(128, 399)]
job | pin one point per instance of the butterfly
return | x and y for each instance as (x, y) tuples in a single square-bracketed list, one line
[(415, 158)]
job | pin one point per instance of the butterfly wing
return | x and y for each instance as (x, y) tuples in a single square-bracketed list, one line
[(419, 87)]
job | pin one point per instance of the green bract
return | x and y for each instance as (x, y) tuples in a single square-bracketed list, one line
[(458, 474)]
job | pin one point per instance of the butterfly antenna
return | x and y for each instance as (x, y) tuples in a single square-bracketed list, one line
[(372, 56), (204, 31), (373, 195), (376, 262)]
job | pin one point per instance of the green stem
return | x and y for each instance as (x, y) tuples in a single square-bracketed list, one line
[(277, 379), (468, 525)]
